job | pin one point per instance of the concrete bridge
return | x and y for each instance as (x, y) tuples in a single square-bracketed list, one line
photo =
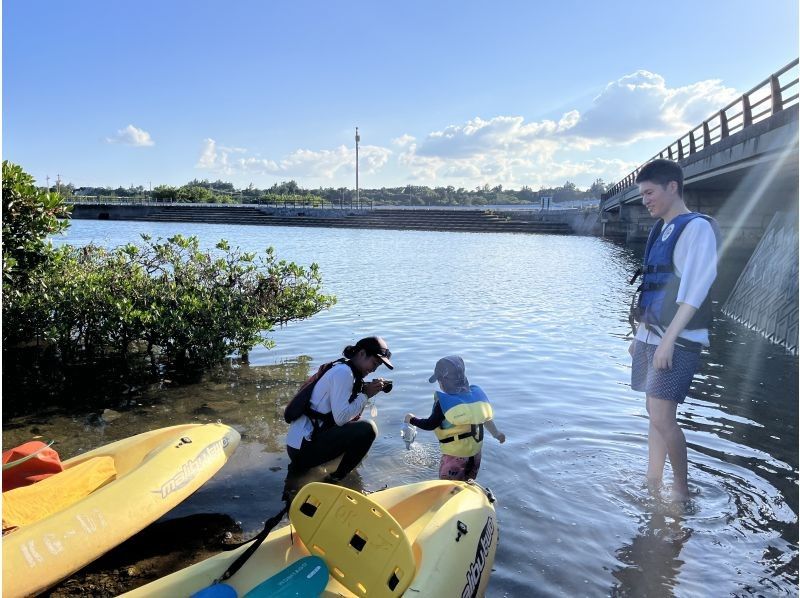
[(741, 166), (742, 159)]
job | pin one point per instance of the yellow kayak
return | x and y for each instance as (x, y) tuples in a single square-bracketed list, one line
[(435, 538), (102, 498)]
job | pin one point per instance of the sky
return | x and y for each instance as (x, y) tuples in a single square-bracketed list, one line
[(461, 93)]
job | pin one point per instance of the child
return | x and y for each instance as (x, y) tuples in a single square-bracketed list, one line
[(459, 414)]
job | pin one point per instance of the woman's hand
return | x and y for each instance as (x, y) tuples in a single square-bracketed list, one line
[(372, 387), (501, 438), (408, 417)]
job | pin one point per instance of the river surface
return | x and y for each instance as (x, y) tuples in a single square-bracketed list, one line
[(541, 323)]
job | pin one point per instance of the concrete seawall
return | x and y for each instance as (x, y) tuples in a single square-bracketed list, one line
[(438, 219), (582, 222), (765, 296)]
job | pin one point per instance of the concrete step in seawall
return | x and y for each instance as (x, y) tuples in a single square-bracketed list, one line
[(438, 220)]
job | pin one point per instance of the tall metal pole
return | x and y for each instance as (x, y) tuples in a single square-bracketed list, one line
[(358, 198)]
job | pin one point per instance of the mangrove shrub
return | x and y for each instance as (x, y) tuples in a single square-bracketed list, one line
[(162, 305), (30, 214)]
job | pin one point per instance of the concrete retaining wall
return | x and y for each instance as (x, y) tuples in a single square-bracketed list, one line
[(582, 222), (765, 297), (310, 212), (109, 212)]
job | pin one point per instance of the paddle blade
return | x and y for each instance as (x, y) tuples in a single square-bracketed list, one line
[(218, 590), (304, 578)]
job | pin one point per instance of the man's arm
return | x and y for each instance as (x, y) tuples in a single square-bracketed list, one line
[(662, 358)]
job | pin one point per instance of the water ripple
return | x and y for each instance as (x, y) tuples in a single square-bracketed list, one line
[(541, 323)]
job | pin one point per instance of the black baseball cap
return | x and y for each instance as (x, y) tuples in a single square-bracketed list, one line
[(375, 345)]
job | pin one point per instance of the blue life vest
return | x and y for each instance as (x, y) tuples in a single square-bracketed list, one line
[(461, 432), (658, 292)]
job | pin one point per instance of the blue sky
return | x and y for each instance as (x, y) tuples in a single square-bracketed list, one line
[(444, 93)]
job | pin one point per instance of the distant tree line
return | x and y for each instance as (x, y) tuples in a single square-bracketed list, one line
[(205, 191)]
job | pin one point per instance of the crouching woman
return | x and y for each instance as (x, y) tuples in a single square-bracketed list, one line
[(330, 426)]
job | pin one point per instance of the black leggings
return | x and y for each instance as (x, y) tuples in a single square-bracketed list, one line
[(352, 441)]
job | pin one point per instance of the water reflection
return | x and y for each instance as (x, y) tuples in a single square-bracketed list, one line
[(541, 322), (651, 561)]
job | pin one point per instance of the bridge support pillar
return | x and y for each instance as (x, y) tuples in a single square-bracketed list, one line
[(637, 222)]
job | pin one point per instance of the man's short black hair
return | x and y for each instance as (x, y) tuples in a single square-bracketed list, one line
[(661, 172)]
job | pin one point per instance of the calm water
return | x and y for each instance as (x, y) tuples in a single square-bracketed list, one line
[(540, 322)]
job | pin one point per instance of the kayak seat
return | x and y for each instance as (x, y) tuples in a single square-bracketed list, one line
[(29, 504), (365, 548)]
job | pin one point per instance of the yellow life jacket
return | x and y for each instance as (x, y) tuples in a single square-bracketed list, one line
[(461, 432)]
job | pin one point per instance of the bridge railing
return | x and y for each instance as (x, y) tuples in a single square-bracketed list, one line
[(777, 92)]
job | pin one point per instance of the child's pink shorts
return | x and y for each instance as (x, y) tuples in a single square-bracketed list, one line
[(459, 468)]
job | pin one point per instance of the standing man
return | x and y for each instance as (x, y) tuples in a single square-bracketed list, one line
[(674, 314)]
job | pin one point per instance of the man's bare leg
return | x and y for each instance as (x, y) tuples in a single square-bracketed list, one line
[(656, 454), (668, 440)]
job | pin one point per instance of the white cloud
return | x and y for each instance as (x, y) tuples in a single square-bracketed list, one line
[(507, 149), (510, 151), (477, 137), (404, 140), (324, 165), (208, 157), (131, 135), (641, 106)]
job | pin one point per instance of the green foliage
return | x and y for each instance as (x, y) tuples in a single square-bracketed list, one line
[(103, 313), (290, 193), (165, 192), (181, 306), (29, 216), (290, 199), (195, 194)]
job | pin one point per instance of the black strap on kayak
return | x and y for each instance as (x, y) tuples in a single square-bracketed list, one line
[(269, 525)]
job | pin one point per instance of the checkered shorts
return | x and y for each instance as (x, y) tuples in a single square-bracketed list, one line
[(672, 384)]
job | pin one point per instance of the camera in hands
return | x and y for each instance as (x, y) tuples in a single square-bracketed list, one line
[(386, 385)]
